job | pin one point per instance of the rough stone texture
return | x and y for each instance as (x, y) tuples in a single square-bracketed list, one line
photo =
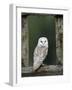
[(43, 70), (59, 39), (24, 44)]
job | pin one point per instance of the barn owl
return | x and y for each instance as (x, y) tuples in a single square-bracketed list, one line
[(40, 52)]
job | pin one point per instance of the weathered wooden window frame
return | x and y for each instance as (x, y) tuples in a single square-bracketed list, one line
[(15, 44)]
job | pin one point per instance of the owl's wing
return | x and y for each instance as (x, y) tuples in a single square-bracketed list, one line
[(45, 53), (36, 59), (36, 63), (39, 56)]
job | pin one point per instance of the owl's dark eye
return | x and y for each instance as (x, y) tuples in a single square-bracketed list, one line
[(45, 41), (41, 41)]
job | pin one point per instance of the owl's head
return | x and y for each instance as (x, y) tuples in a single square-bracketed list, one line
[(43, 42)]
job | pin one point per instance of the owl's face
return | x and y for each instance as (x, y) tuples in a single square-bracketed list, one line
[(43, 42)]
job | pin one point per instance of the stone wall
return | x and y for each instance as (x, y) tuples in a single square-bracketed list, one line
[(59, 38), (24, 42)]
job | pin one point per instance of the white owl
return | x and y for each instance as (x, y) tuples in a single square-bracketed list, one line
[(40, 52)]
